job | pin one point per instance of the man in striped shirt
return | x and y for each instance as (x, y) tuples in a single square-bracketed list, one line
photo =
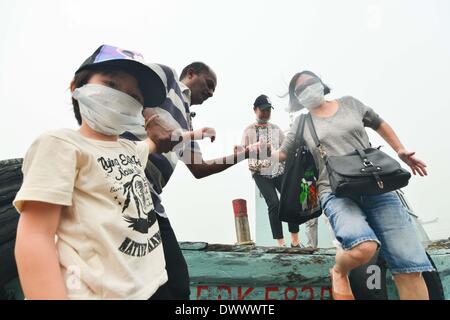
[(196, 84)]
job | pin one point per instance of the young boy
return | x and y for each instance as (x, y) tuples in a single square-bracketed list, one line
[(88, 188)]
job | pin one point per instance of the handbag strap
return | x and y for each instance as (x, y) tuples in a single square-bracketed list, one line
[(315, 137), (299, 139)]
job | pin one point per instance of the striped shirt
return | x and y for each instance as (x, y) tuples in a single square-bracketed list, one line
[(175, 109)]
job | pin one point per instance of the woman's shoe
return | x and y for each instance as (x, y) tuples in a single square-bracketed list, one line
[(337, 295)]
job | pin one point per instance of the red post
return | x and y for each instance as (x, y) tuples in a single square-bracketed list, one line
[(241, 222)]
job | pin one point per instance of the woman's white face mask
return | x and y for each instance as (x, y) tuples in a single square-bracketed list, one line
[(107, 110), (312, 96)]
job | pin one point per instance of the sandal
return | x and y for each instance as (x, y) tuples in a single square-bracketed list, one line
[(336, 295)]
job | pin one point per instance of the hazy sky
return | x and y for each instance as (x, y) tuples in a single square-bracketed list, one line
[(392, 55)]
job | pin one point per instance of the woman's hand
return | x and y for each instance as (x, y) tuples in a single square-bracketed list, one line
[(416, 165)]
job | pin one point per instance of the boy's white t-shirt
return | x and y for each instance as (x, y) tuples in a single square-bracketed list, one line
[(109, 243)]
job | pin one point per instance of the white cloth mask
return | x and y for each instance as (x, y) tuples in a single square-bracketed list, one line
[(107, 110), (312, 96)]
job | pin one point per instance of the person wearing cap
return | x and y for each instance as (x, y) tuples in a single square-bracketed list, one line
[(88, 188), (195, 85), (268, 174)]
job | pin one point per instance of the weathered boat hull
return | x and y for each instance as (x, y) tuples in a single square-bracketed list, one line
[(226, 272), (221, 272)]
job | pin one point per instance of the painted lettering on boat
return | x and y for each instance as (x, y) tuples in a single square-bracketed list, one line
[(227, 292)]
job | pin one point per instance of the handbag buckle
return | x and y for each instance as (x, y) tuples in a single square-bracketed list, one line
[(367, 163), (380, 184)]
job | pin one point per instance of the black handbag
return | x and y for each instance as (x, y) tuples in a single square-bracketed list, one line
[(361, 172), (299, 197)]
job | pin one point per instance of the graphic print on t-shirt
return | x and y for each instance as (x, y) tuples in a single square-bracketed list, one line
[(138, 190), (131, 191)]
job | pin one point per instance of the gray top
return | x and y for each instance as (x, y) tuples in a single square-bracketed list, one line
[(339, 134)]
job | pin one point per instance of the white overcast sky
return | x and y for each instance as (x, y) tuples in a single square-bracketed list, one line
[(392, 55)]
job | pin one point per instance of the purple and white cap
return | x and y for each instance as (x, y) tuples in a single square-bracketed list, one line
[(152, 86)]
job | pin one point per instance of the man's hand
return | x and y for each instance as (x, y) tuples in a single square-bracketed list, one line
[(260, 150), (164, 137), (416, 165), (204, 133), (239, 149)]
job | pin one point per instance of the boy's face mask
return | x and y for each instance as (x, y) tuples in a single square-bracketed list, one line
[(107, 110)]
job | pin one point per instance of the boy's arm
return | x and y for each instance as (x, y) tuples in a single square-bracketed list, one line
[(36, 254)]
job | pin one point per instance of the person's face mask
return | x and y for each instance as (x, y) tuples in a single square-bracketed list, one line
[(312, 96), (262, 121), (107, 110), (262, 115)]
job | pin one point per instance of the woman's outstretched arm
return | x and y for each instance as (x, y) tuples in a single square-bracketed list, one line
[(407, 156)]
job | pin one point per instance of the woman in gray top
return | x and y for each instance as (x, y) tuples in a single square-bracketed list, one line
[(360, 223)]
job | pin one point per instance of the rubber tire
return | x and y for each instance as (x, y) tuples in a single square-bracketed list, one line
[(358, 279), (434, 283), (11, 179), (8, 267)]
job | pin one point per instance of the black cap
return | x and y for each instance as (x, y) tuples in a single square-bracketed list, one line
[(262, 102), (151, 85)]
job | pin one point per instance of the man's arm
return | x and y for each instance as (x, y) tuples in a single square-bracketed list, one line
[(201, 168)]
